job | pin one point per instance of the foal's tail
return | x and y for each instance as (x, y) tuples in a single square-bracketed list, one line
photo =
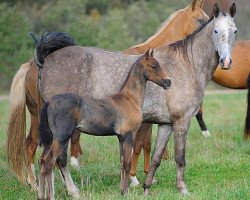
[(50, 42), (247, 123), (45, 137), (16, 132)]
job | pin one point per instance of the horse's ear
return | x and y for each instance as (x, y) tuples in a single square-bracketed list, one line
[(232, 10), (197, 3), (216, 10)]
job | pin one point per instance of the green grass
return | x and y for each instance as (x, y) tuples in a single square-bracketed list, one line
[(217, 167)]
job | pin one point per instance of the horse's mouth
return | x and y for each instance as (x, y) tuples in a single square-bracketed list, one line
[(225, 65), (166, 84)]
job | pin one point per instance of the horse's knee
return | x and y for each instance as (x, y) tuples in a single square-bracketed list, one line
[(156, 162), (180, 160)]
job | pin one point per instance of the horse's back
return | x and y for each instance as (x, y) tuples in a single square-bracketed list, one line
[(85, 71)]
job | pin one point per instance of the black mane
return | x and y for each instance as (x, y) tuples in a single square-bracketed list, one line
[(49, 43)]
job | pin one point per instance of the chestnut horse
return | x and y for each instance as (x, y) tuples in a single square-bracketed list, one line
[(190, 63), (118, 115), (24, 91)]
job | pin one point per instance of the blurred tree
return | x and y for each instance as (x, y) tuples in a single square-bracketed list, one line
[(113, 32), (16, 46)]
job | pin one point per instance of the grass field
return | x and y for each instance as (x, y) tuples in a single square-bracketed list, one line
[(217, 167)]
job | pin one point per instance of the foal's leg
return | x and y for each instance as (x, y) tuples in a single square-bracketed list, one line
[(202, 124), (47, 164), (41, 175), (180, 137), (31, 146), (126, 149), (142, 139), (62, 164), (163, 135), (75, 149)]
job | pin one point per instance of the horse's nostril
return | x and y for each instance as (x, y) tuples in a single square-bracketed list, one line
[(168, 82)]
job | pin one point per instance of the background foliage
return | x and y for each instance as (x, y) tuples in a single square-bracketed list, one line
[(110, 24)]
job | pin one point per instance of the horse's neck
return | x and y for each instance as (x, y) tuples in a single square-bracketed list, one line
[(202, 55), (166, 35), (134, 86)]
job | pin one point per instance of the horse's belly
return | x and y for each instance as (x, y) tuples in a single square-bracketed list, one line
[(95, 129)]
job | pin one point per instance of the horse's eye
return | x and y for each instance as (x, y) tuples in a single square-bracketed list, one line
[(215, 31), (201, 21), (235, 31)]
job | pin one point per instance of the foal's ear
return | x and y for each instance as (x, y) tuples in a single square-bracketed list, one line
[(216, 10), (152, 52), (197, 3), (232, 10), (147, 53)]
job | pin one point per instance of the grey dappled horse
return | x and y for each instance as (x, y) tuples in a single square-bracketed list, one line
[(190, 64)]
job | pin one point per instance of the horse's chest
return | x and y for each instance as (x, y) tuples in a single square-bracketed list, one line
[(128, 122)]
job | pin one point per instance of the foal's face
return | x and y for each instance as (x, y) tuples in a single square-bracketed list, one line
[(154, 72), (224, 35)]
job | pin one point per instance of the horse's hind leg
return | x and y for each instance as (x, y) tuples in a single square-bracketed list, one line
[(76, 150), (62, 164), (163, 135), (47, 164), (126, 149), (202, 124), (31, 146), (41, 179)]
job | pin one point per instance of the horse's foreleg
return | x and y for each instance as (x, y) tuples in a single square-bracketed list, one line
[(163, 135), (126, 149), (62, 164), (31, 146), (76, 150), (180, 137), (202, 124)]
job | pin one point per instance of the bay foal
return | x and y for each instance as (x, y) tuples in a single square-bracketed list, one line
[(119, 115)]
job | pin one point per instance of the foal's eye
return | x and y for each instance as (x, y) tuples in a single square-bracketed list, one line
[(215, 31), (235, 31), (152, 65)]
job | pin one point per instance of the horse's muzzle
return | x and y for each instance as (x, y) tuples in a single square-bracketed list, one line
[(225, 63), (166, 84)]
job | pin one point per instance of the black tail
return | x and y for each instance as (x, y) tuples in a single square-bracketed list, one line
[(247, 123), (50, 42), (46, 136)]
